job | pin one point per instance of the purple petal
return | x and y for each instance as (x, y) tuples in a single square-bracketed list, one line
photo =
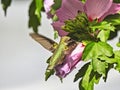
[(69, 9), (70, 61), (48, 4), (97, 8), (47, 7), (57, 26), (62, 70), (115, 8), (75, 56)]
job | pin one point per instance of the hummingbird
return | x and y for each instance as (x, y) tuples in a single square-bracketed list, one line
[(59, 50)]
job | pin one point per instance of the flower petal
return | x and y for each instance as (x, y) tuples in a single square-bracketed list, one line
[(76, 55), (57, 26), (47, 7), (48, 4), (62, 70), (71, 60), (97, 8), (69, 9), (115, 8)]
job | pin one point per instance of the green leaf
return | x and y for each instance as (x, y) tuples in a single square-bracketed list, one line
[(104, 35), (118, 44), (104, 49), (81, 72), (86, 83), (55, 34), (96, 76), (34, 21), (116, 1), (54, 7), (104, 25), (5, 5), (57, 4), (110, 66), (99, 66), (89, 79), (48, 74), (88, 51), (95, 49), (117, 56), (39, 6), (83, 1), (54, 18), (109, 60), (113, 19), (113, 34)]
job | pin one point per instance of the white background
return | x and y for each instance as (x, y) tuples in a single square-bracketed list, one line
[(23, 61)]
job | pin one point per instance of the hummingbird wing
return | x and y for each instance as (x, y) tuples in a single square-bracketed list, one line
[(46, 42)]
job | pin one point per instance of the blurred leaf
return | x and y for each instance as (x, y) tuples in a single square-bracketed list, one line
[(95, 49), (83, 1), (55, 34), (118, 44), (34, 21), (116, 1), (39, 6), (81, 72), (5, 5), (117, 27), (57, 4), (54, 18)]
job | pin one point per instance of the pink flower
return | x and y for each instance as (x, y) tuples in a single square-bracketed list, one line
[(47, 6), (57, 26), (99, 9), (68, 10), (94, 9), (71, 60)]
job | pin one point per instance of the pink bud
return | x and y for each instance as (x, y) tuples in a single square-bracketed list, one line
[(70, 62)]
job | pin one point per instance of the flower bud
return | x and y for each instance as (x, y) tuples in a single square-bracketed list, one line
[(70, 62)]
